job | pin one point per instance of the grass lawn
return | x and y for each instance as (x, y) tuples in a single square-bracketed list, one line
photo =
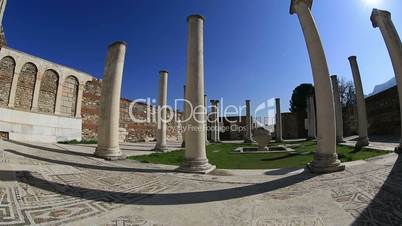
[(221, 156)]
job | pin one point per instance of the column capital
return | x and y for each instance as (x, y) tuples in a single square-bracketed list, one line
[(293, 3), (247, 101), (195, 16), (379, 13), (163, 72), (334, 77), (352, 58), (214, 102), (118, 43)]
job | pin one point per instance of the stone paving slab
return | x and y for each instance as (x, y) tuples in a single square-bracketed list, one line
[(65, 185)]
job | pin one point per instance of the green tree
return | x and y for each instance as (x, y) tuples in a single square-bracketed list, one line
[(298, 103)]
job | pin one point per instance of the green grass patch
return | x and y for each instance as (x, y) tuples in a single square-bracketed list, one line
[(221, 155)]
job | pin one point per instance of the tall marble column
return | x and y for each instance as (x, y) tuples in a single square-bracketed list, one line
[(382, 19), (215, 133), (206, 118), (248, 139), (195, 160), (109, 114), (35, 98), (183, 125), (311, 119), (361, 104), (325, 159), (338, 109), (161, 112), (278, 120)]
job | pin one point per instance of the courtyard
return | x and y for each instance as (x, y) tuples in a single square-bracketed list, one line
[(64, 184)]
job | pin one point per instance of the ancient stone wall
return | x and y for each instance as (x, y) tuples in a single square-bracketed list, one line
[(7, 67), (25, 87), (383, 114), (48, 91), (136, 131), (350, 121), (290, 125), (69, 96)]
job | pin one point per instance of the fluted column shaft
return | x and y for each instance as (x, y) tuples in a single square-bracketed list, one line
[(361, 104), (338, 109), (382, 19), (162, 104), (311, 120), (248, 138), (215, 134), (183, 125), (195, 154), (206, 118), (325, 158), (109, 114), (278, 120)]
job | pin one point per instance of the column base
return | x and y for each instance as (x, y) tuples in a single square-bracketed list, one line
[(340, 140), (161, 148), (111, 154), (196, 166), (207, 142), (34, 109), (248, 141), (325, 163), (398, 149), (362, 142)]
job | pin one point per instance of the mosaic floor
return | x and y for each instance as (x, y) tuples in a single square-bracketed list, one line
[(65, 185)]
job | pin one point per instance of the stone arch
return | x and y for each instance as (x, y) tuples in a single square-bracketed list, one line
[(26, 86), (48, 91), (7, 68), (69, 96)]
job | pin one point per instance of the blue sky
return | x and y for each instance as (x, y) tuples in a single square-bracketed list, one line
[(254, 49)]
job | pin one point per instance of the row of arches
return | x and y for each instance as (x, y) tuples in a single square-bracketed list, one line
[(48, 88)]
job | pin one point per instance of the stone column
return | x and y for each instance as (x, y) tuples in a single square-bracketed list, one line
[(161, 125), (81, 88), (311, 121), (3, 4), (278, 120), (183, 144), (108, 124), (195, 154), (248, 139), (35, 98), (382, 19), (206, 118), (361, 104), (338, 109), (325, 159), (58, 96), (215, 136)]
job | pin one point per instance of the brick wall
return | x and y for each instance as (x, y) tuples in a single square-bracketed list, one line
[(135, 131), (7, 67), (25, 87), (69, 96), (48, 91), (383, 115)]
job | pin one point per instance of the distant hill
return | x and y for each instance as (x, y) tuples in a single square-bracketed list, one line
[(381, 87)]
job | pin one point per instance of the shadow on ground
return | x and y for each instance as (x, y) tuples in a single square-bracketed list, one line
[(34, 179), (89, 166), (386, 206)]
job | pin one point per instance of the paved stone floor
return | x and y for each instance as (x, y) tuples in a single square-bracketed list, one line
[(65, 184)]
